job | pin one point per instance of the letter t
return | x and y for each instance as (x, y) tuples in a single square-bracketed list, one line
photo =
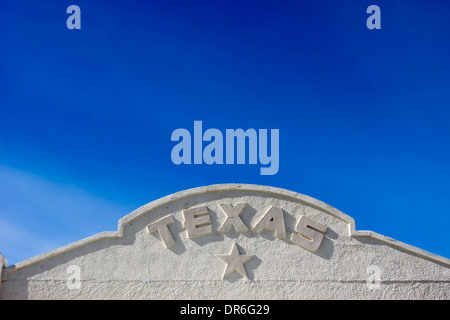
[(161, 226)]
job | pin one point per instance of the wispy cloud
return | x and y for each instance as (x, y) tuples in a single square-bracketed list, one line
[(38, 215), (18, 243)]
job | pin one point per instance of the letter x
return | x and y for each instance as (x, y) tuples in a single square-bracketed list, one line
[(233, 219)]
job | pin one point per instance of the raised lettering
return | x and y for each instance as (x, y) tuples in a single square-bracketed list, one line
[(197, 222), (310, 234), (273, 220), (233, 219), (161, 226)]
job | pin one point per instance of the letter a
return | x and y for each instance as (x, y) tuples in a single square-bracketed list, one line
[(74, 21), (183, 147), (374, 21), (273, 220)]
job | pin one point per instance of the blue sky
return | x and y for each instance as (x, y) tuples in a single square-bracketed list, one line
[(87, 115)]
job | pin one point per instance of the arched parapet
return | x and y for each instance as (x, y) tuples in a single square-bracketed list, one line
[(232, 241)]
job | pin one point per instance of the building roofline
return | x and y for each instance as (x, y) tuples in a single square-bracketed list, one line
[(231, 187)]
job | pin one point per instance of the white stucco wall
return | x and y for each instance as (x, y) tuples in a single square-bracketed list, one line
[(132, 263)]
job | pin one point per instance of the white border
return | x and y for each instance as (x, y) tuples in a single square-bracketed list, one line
[(230, 187)]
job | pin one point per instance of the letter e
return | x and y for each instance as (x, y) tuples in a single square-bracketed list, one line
[(197, 222)]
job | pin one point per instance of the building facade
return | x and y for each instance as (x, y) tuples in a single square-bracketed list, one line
[(232, 241)]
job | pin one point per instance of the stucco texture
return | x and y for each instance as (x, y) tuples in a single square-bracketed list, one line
[(132, 263)]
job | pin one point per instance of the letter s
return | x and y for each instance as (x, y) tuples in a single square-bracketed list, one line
[(310, 234)]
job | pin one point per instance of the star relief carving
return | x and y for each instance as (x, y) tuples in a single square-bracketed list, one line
[(235, 261)]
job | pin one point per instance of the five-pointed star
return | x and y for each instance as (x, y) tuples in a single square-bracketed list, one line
[(235, 261)]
